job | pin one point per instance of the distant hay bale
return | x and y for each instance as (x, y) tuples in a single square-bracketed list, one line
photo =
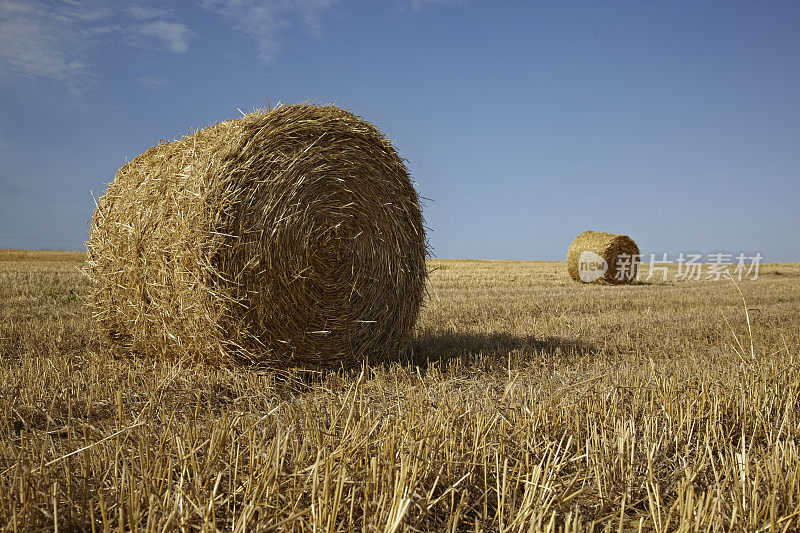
[(292, 236), (597, 257)]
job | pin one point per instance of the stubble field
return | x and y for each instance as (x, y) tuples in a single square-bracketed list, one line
[(529, 403)]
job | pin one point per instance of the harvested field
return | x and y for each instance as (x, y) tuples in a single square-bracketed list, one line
[(530, 402)]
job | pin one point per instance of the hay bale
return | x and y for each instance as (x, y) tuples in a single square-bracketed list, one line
[(597, 257), (291, 236)]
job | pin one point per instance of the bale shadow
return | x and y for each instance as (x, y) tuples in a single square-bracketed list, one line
[(441, 347), (471, 352)]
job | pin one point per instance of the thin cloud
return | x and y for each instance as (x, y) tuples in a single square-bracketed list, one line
[(144, 12), (152, 83), (37, 40), (173, 34), (419, 5), (59, 40), (265, 21)]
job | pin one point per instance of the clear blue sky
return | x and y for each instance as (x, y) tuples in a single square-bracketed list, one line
[(677, 123)]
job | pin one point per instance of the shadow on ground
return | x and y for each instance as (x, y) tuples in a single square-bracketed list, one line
[(440, 347), (451, 351)]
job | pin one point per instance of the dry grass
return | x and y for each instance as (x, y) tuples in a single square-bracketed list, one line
[(287, 236), (530, 403)]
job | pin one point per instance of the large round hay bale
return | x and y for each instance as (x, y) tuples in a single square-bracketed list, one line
[(292, 236), (597, 257)]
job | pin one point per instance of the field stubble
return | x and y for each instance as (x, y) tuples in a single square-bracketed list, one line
[(529, 403)]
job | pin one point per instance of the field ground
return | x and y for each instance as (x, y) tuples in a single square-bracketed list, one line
[(529, 403)]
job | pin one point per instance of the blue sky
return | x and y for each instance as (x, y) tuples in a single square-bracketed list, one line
[(525, 123)]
